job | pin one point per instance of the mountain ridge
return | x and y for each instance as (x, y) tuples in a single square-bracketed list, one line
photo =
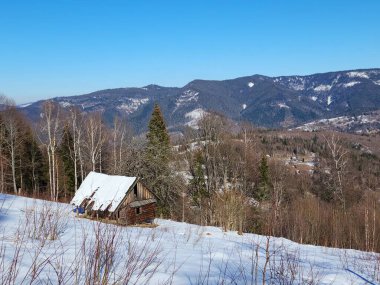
[(272, 102)]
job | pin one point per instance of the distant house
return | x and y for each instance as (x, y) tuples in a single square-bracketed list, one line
[(120, 198)]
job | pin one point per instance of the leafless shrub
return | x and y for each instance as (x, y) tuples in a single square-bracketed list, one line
[(267, 259), (99, 254), (26, 247), (114, 255), (142, 260), (364, 263), (205, 268), (16, 254), (312, 276), (222, 269), (188, 233), (9, 269), (199, 235), (63, 272), (286, 267), (2, 201), (46, 222), (231, 208)]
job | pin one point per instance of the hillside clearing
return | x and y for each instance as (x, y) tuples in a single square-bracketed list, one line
[(43, 242)]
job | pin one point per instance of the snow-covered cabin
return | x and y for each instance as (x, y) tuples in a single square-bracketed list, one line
[(121, 198)]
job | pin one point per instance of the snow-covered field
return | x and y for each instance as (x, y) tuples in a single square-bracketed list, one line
[(45, 243)]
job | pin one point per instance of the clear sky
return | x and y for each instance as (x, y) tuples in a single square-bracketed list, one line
[(61, 47)]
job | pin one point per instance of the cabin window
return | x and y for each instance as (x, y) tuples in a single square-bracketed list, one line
[(135, 190), (138, 210)]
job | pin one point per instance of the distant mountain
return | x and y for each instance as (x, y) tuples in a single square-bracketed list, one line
[(273, 102)]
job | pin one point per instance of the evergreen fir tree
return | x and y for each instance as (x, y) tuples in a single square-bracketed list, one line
[(264, 182), (34, 165), (65, 151), (158, 147), (157, 173), (198, 182)]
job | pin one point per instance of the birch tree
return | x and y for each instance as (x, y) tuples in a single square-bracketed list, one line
[(3, 158), (337, 165), (49, 137), (77, 134), (119, 133), (13, 138), (95, 138)]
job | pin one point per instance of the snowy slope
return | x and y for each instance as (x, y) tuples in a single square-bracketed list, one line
[(366, 123), (172, 253)]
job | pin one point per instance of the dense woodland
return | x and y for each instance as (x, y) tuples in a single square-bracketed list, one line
[(234, 176)]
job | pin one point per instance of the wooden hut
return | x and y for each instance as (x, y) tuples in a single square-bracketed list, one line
[(121, 198)]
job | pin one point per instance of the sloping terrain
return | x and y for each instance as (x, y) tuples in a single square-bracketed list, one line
[(44, 243), (274, 102), (365, 123)]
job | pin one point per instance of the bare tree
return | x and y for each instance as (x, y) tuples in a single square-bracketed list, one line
[(33, 164), (119, 133), (338, 163), (3, 158), (76, 155), (94, 139), (49, 137), (210, 136), (13, 136), (278, 192)]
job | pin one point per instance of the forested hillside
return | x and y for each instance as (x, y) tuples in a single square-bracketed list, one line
[(312, 187), (272, 102)]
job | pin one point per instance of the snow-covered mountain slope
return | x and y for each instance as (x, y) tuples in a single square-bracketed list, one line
[(284, 101), (365, 123), (43, 242)]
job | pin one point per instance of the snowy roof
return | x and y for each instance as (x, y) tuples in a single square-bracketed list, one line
[(106, 191)]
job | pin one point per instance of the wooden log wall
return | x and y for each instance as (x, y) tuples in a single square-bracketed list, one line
[(129, 216)]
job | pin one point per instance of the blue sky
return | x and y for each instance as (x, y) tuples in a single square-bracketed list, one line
[(63, 48)]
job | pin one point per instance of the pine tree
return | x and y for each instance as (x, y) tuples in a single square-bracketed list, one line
[(33, 170), (158, 148), (66, 152), (157, 174), (198, 182), (264, 182)]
